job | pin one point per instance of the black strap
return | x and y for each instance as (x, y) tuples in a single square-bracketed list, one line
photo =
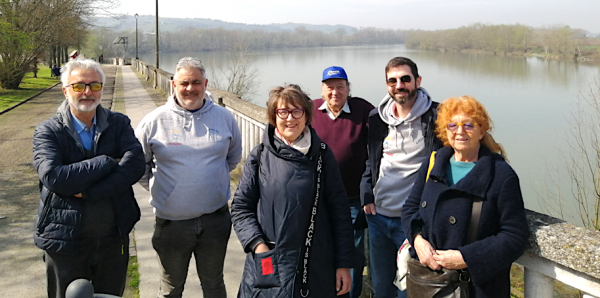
[(474, 224), (311, 226)]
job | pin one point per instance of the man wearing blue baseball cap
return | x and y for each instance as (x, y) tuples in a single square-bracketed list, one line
[(340, 120)]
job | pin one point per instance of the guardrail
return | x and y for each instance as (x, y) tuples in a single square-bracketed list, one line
[(557, 250)]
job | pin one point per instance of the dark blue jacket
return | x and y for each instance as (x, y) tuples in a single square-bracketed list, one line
[(275, 203), (502, 233), (64, 171), (378, 130)]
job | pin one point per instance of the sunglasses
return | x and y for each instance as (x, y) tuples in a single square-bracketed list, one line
[(284, 113), (393, 81), (79, 87), (467, 126)]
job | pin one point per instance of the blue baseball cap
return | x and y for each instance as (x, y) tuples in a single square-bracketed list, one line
[(334, 72)]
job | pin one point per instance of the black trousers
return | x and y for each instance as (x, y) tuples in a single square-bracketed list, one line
[(102, 260)]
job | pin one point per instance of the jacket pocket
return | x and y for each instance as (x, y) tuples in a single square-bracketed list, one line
[(159, 224), (267, 273)]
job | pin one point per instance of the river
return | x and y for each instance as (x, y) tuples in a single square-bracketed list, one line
[(530, 100)]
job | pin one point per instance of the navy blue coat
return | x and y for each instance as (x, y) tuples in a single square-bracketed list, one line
[(275, 202), (503, 232), (64, 171)]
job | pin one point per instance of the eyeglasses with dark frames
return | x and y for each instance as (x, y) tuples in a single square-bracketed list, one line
[(467, 126), (404, 79), (284, 113), (79, 87)]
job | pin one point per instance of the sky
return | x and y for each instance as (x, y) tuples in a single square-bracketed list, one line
[(398, 14)]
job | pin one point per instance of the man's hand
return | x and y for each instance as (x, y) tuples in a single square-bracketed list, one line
[(426, 253), (260, 248), (450, 259), (342, 281), (79, 195), (370, 209)]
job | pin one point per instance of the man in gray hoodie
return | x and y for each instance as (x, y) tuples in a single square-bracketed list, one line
[(190, 145), (401, 137)]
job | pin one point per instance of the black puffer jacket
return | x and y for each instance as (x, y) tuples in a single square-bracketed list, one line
[(60, 161), (274, 203)]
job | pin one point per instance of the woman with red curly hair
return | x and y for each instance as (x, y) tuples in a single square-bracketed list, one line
[(469, 176)]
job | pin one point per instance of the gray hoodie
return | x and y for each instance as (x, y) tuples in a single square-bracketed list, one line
[(188, 158), (403, 153)]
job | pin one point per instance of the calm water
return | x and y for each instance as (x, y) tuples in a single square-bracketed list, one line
[(529, 99)]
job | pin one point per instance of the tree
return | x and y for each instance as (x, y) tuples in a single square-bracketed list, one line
[(582, 162), (237, 75), (28, 28)]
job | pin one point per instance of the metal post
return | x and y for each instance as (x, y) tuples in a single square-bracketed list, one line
[(156, 33), (136, 37)]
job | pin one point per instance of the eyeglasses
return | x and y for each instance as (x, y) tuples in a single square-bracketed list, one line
[(393, 81), (284, 113), (79, 87), (467, 126)]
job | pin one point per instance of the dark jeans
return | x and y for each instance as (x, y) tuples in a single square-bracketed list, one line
[(385, 238), (103, 260), (359, 243), (206, 237)]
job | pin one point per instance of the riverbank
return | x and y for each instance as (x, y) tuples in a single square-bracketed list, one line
[(592, 59)]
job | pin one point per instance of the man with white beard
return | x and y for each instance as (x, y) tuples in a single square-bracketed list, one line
[(87, 157)]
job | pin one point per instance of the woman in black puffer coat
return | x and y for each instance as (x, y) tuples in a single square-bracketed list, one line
[(273, 206)]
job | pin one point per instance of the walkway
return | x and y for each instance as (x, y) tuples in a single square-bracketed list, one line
[(138, 104)]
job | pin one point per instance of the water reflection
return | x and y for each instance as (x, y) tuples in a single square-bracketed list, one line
[(529, 99)]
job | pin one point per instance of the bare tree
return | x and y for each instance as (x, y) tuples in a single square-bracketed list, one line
[(236, 75), (582, 162)]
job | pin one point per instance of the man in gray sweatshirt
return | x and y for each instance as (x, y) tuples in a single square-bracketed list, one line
[(401, 137), (190, 145)]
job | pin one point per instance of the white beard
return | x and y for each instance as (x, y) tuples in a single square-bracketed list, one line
[(84, 107)]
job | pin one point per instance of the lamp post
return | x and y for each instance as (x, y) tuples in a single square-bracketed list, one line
[(136, 37), (156, 33)]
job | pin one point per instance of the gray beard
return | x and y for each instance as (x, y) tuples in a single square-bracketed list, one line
[(82, 108)]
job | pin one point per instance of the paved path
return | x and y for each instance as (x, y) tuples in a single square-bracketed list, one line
[(138, 104)]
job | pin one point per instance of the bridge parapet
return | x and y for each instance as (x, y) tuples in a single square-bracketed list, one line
[(557, 250)]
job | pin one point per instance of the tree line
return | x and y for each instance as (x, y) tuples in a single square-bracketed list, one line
[(560, 41), (198, 39), (32, 29)]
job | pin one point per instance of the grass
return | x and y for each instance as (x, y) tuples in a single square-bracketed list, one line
[(132, 290), (29, 87)]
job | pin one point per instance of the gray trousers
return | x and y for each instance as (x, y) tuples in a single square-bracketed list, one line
[(103, 260), (206, 237)]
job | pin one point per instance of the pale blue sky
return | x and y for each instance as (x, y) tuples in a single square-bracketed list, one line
[(398, 14)]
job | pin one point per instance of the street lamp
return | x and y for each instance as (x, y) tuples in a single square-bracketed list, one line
[(156, 33), (136, 37)]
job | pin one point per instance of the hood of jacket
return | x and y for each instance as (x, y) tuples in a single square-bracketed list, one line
[(386, 108), (187, 115)]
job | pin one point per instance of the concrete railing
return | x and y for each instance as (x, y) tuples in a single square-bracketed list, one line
[(557, 250), (560, 251)]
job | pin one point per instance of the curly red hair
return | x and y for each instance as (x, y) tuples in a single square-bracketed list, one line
[(469, 106)]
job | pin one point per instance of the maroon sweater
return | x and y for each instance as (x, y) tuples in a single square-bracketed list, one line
[(347, 138)]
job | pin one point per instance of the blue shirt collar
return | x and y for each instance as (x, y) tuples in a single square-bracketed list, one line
[(79, 125)]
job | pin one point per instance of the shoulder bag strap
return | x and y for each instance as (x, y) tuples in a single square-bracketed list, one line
[(311, 226), (474, 224), (431, 162)]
